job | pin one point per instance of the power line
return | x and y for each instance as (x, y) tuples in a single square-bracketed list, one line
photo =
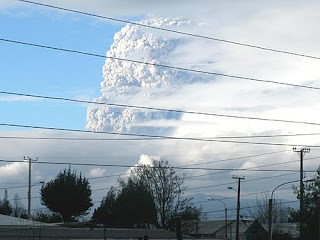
[(273, 164), (155, 138), (174, 31), (255, 206), (176, 111), (137, 166), (138, 155), (118, 175), (244, 195), (160, 65), (250, 168), (164, 137), (237, 158)]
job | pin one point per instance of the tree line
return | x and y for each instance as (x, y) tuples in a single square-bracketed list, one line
[(151, 196)]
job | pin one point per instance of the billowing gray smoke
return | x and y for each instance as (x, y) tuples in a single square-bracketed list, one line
[(132, 83)]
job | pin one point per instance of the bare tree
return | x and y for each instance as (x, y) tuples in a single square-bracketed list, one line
[(166, 187), (18, 208), (260, 210)]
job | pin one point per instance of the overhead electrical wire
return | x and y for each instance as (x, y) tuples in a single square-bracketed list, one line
[(248, 207), (243, 195), (250, 180), (163, 137), (174, 31), (210, 186), (175, 110), (137, 166), (272, 164), (172, 110), (237, 158), (153, 138), (159, 65)]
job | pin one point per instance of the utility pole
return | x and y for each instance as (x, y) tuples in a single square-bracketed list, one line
[(270, 219), (29, 160), (238, 205), (301, 153)]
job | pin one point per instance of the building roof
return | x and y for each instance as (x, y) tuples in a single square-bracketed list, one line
[(14, 221), (290, 228), (211, 226)]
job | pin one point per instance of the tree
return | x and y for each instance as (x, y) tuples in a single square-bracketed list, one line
[(105, 213), (5, 206), (135, 206), (132, 206), (309, 218), (46, 216), (17, 207), (166, 187), (67, 195), (261, 212)]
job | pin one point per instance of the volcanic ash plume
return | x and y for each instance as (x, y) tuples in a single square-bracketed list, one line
[(140, 84)]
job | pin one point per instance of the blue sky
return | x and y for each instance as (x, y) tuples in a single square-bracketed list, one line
[(286, 25), (46, 72)]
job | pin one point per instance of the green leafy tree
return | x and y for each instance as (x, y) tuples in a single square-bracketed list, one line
[(309, 218), (167, 187), (46, 216), (131, 206), (5, 206), (67, 195), (105, 213), (134, 206)]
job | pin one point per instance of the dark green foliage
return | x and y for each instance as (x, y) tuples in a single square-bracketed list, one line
[(167, 187), (46, 217), (105, 213), (150, 197), (67, 195), (132, 206), (5, 206), (189, 214), (135, 206), (311, 208)]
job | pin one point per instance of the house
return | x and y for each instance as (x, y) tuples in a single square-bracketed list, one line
[(285, 229), (17, 228), (248, 230)]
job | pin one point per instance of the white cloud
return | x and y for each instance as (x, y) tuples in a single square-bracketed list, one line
[(12, 171), (97, 172), (289, 25)]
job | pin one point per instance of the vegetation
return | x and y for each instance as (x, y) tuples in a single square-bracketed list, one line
[(261, 212), (18, 209), (46, 216), (167, 187), (152, 196), (132, 206), (310, 217), (68, 195), (5, 206)]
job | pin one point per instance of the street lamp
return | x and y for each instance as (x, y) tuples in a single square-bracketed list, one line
[(231, 188), (225, 213), (29, 198), (271, 199)]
